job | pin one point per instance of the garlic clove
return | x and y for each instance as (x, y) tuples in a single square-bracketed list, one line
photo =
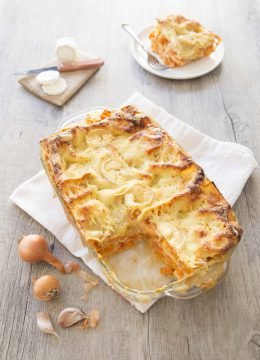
[(70, 316), (44, 323)]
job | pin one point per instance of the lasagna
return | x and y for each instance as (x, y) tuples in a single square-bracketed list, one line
[(178, 40), (120, 178)]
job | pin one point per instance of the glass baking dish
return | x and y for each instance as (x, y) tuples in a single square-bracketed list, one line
[(142, 287), (191, 286)]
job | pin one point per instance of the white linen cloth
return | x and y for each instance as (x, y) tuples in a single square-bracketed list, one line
[(217, 158)]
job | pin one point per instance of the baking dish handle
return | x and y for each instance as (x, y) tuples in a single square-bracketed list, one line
[(177, 293), (191, 293)]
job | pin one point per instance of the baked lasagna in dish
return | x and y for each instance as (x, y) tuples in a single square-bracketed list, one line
[(120, 178), (178, 40)]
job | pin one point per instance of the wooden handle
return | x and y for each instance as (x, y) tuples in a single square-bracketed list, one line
[(82, 65)]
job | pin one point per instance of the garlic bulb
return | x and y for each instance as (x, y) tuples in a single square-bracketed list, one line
[(45, 324), (70, 316)]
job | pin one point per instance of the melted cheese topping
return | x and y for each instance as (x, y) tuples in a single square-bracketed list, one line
[(179, 41), (121, 178)]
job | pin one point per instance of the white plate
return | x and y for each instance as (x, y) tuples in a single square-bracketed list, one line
[(190, 71)]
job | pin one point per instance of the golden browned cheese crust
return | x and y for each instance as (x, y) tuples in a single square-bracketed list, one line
[(178, 40), (121, 177)]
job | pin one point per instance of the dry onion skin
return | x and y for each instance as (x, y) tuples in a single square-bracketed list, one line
[(85, 276), (34, 248), (46, 288), (92, 319), (89, 283), (71, 266)]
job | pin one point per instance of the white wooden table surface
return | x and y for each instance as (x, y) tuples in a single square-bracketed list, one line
[(225, 322)]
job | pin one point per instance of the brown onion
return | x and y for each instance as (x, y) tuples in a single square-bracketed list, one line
[(46, 288), (34, 248)]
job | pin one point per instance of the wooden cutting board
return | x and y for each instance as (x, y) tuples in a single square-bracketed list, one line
[(75, 80)]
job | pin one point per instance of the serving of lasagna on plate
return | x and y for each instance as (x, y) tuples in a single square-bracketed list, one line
[(178, 40), (122, 179)]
